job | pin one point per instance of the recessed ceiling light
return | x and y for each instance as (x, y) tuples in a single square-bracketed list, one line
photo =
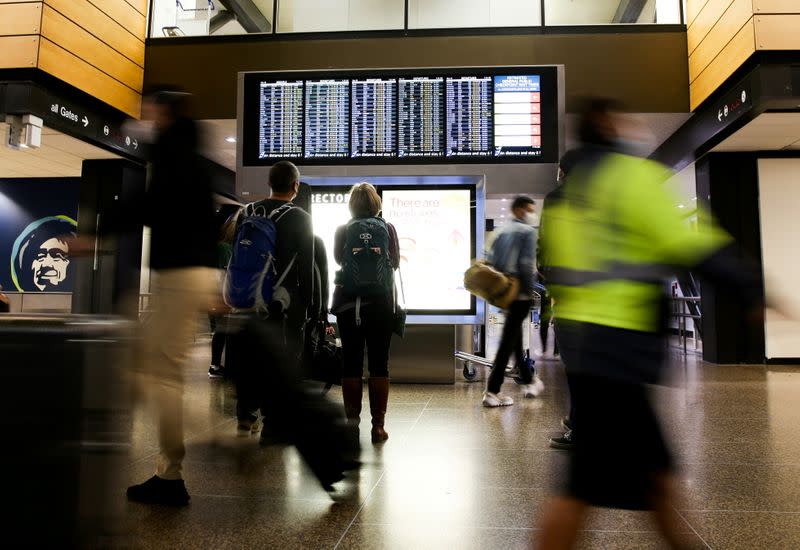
[(681, 206), (504, 200), (502, 215), (503, 209), (230, 139)]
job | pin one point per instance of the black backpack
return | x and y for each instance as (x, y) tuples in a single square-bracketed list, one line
[(366, 267)]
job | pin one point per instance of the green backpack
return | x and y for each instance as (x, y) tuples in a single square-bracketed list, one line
[(366, 267)]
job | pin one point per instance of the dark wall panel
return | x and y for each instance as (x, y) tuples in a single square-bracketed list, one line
[(729, 184), (647, 71)]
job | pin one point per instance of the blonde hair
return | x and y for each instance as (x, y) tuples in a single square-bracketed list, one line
[(364, 201)]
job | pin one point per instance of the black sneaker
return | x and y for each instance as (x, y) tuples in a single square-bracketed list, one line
[(169, 492), (563, 443), (216, 372)]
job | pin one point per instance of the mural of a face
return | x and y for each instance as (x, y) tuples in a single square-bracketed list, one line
[(41, 256), (50, 264)]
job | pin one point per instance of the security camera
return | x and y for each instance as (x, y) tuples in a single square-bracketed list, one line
[(24, 131)]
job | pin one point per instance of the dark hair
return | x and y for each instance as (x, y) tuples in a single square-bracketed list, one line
[(521, 202), (569, 161), (282, 175), (592, 112)]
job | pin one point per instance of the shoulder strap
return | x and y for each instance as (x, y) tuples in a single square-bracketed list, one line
[(280, 212)]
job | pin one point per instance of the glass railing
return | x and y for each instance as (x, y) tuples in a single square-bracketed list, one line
[(173, 18)]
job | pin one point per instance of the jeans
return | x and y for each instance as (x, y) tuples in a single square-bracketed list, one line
[(374, 332), (511, 342), (263, 358)]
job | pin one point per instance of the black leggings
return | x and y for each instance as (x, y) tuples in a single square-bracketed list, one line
[(374, 332)]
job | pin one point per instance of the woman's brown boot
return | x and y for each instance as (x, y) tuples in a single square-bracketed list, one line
[(352, 389), (378, 399)]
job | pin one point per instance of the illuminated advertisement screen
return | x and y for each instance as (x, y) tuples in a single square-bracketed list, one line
[(436, 231), (329, 210)]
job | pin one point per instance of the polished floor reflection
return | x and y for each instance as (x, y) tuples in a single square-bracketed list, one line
[(454, 475)]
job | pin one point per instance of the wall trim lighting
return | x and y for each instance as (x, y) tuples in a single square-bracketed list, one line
[(230, 139)]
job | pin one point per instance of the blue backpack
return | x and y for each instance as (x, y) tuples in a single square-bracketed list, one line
[(252, 277)]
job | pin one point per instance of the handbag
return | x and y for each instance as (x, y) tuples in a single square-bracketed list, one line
[(326, 358), (399, 326), (484, 281)]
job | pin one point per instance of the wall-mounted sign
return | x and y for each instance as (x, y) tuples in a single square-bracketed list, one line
[(94, 124), (734, 104), (37, 216)]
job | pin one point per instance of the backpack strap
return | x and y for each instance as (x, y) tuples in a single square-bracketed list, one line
[(280, 212), (286, 271)]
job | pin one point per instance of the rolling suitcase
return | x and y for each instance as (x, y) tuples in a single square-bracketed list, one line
[(315, 425)]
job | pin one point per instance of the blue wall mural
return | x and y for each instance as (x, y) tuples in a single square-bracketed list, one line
[(36, 215)]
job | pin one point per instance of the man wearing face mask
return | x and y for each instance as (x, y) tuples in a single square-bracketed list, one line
[(514, 252)]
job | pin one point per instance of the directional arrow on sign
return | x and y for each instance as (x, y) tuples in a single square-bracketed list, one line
[(85, 121)]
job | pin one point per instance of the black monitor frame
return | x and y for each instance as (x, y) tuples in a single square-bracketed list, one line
[(550, 115)]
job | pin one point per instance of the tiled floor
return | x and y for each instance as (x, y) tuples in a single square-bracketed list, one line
[(454, 475)]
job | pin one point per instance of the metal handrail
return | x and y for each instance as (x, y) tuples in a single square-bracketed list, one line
[(681, 315)]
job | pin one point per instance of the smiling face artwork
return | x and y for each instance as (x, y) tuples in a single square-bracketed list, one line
[(40, 260)]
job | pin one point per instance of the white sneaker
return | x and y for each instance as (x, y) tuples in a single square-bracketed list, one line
[(534, 389), (496, 400)]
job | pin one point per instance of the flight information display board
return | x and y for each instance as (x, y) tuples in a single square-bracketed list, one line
[(327, 116), (280, 129), (518, 116), (421, 117), (374, 122), (415, 116), (469, 116)]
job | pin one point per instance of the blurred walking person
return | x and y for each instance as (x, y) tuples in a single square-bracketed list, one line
[(179, 209), (368, 250), (612, 238), (514, 252)]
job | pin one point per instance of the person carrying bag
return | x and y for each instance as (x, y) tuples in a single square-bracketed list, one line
[(364, 302)]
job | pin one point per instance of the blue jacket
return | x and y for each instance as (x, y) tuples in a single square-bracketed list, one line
[(514, 251)]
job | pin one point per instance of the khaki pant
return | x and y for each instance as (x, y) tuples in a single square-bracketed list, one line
[(179, 295)]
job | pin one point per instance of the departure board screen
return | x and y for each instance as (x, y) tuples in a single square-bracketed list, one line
[(469, 116), (451, 115), (517, 116), (280, 120), (420, 105), (327, 114), (374, 121)]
